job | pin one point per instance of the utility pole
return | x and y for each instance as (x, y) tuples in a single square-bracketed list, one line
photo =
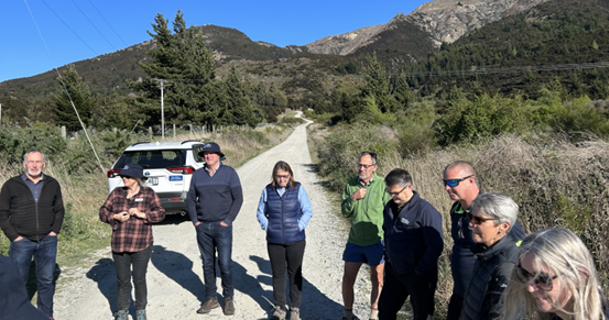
[(162, 114), (0, 113)]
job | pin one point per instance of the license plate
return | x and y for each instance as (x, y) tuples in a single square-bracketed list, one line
[(152, 182)]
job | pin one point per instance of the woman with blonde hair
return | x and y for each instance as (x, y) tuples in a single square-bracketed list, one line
[(554, 278)]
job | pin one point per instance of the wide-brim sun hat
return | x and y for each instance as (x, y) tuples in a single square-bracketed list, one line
[(133, 170), (211, 147)]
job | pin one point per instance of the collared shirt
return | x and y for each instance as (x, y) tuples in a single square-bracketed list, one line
[(135, 234), (216, 170), (365, 184), (36, 188)]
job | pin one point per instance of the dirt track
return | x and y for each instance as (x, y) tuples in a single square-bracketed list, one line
[(175, 286)]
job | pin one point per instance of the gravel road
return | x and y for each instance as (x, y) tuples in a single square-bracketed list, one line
[(175, 286)]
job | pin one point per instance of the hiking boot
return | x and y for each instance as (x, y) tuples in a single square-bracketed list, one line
[(122, 315), (278, 314), (140, 315), (229, 306), (294, 314), (210, 303)]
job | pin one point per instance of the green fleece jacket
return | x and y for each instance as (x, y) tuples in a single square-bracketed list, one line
[(366, 214)]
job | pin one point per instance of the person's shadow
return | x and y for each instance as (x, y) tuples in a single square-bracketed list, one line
[(314, 304), (178, 267), (104, 273), (32, 286)]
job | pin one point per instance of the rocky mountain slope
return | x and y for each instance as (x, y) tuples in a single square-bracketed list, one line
[(444, 21)]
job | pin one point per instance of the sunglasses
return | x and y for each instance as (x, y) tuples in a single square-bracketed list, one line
[(455, 182), (542, 280), (477, 220), (393, 194)]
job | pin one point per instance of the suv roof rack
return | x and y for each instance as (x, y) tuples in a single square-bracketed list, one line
[(138, 143), (183, 142)]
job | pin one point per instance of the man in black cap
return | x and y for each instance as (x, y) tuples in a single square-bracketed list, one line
[(14, 301), (31, 215), (214, 200)]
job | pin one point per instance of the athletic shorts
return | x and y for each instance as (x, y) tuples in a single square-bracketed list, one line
[(373, 255)]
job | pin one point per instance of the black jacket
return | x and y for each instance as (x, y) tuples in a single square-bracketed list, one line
[(20, 215), (413, 236), (14, 301), (492, 271)]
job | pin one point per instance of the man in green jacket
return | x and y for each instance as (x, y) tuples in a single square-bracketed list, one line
[(363, 201)]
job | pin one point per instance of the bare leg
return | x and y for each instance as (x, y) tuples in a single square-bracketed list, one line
[(351, 270), (376, 276)]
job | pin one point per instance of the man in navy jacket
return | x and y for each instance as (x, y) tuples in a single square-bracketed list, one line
[(214, 200), (413, 244)]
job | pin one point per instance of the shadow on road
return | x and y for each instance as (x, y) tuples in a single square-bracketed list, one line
[(315, 304), (104, 274), (178, 267)]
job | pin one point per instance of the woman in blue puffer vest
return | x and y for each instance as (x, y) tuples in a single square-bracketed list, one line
[(284, 212)]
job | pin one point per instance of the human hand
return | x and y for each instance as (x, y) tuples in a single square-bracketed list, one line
[(222, 223), (359, 194), (136, 212), (122, 216), (197, 223), (53, 234), (19, 238)]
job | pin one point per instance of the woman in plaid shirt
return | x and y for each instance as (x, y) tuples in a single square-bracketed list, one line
[(130, 211)]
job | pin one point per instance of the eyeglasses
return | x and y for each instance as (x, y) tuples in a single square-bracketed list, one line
[(542, 280), (455, 182), (393, 194), (477, 220), (365, 166), (125, 177), (283, 177)]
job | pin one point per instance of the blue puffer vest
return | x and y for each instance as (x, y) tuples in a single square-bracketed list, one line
[(283, 213)]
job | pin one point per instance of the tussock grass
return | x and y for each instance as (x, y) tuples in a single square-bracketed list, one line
[(555, 182)]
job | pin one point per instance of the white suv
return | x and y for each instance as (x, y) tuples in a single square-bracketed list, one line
[(167, 165)]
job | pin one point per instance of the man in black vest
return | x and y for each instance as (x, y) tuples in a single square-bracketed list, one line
[(461, 185), (31, 215)]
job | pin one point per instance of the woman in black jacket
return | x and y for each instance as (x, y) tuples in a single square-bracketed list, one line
[(491, 217), (284, 212)]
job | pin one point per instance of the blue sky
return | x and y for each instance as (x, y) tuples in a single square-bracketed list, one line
[(110, 25)]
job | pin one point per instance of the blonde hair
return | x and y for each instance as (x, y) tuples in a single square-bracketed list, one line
[(561, 252)]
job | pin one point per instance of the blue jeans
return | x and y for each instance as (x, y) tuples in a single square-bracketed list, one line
[(212, 237), (44, 253)]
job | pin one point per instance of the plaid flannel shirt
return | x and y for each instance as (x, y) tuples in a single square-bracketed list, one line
[(135, 234)]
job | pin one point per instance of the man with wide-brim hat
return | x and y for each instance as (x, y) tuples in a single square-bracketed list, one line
[(214, 200)]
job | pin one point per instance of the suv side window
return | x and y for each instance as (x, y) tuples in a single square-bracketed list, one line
[(195, 152)]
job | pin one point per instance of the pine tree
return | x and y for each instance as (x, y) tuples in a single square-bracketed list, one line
[(80, 94), (377, 84), (187, 69)]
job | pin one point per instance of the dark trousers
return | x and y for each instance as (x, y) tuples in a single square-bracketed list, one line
[(44, 253), (211, 237), (397, 288), (123, 263), (290, 255), (454, 307)]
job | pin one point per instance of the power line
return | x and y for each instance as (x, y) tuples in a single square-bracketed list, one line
[(58, 17), (94, 26), (108, 23), (65, 88)]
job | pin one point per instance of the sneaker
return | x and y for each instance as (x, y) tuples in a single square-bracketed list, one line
[(229, 306), (210, 303), (140, 314), (122, 315), (278, 314), (294, 314)]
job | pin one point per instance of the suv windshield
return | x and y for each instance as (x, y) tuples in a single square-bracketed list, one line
[(152, 159)]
